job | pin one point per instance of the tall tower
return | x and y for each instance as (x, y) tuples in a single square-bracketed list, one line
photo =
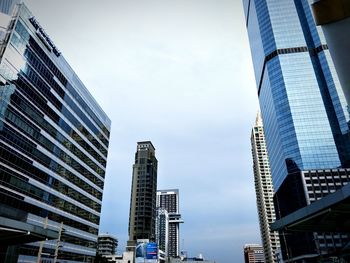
[(162, 229), (169, 200), (143, 194), (303, 107), (54, 141), (264, 191)]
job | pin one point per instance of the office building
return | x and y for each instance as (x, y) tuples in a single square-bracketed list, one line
[(253, 253), (107, 244), (142, 218), (264, 191), (162, 230), (53, 146), (302, 104), (7, 6), (334, 17), (169, 200)]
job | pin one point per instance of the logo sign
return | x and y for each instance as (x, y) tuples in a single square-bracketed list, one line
[(44, 37), (152, 251)]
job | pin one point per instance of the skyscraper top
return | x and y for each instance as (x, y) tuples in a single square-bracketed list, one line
[(145, 144), (258, 120)]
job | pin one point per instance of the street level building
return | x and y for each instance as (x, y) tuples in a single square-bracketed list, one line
[(53, 146), (106, 244), (142, 218), (169, 200), (264, 191), (253, 253)]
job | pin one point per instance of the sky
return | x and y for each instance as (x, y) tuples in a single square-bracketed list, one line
[(178, 73)]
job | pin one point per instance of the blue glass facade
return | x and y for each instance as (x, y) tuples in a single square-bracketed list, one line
[(302, 104), (53, 145)]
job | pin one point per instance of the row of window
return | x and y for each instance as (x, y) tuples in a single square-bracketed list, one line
[(48, 77), (12, 200), (20, 29), (12, 137), (48, 145), (24, 187), (29, 111), (24, 165), (60, 187), (41, 102)]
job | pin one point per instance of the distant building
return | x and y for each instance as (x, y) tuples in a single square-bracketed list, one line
[(106, 244), (264, 191), (126, 257), (199, 258), (142, 218), (253, 253), (169, 200), (162, 230)]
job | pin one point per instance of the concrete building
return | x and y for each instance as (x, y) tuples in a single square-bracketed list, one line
[(264, 191), (302, 104), (106, 244), (142, 218), (162, 230), (53, 145), (253, 253), (169, 200)]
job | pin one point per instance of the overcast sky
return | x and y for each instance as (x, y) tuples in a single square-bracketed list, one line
[(178, 73)]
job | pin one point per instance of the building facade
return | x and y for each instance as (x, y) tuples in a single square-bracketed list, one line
[(334, 16), (142, 217), (162, 230), (253, 253), (302, 104), (301, 100), (7, 6), (107, 244), (264, 191), (169, 200), (53, 145), (301, 189)]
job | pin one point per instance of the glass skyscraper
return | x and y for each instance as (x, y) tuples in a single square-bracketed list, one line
[(53, 145), (305, 115), (302, 104)]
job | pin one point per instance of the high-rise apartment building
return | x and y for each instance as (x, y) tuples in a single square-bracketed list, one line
[(264, 191), (169, 200), (253, 254), (53, 145), (162, 229), (142, 218), (302, 104)]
